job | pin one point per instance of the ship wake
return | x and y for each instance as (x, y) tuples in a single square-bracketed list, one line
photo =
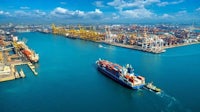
[(171, 104), (101, 46)]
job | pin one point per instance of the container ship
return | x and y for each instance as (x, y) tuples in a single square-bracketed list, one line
[(123, 75)]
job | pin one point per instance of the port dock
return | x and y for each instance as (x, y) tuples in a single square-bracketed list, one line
[(14, 52), (135, 47), (141, 38), (12, 73), (30, 65)]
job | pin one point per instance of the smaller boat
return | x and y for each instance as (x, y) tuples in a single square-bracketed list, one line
[(22, 73), (150, 86), (163, 51), (67, 34), (100, 46), (17, 75)]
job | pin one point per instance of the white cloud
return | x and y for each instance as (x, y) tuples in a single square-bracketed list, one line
[(163, 3), (182, 12), (133, 9), (96, 14), (177, 2), (4, 13), (120, 4), (7, 13), (24, 8), (38, 12), (182, 15), (170, 3), (97, 11), (198, 9), (65, 13), (22, 13), (137, 13), (116, 3), (138, 8), (29, 14), (59, 10), (166, 16), (115, 16), (98, 4), (1, 12), (63, 3), (78, 13)]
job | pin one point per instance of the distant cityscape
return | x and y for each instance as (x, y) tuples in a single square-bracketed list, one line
[(147, 38), (53, 55), (150, 38)]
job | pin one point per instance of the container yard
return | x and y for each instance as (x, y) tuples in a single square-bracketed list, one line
[(143, 38)]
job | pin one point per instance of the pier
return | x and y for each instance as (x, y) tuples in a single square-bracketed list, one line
[(14, 74), (30, 65)]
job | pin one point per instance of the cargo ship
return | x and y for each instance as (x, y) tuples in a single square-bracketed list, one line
[(123, 75), (31, 55)]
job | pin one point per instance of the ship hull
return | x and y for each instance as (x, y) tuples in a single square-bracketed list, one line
[(29, 54), (115, 78), (31, 60)]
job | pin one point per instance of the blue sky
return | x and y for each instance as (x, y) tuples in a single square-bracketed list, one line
[(97, 11)]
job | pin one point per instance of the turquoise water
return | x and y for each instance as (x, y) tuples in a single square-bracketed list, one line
[(68, 81)]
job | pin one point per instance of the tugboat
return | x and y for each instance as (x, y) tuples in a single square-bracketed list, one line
[(100, 46), (123, 75), (22, 73), (150, 86)]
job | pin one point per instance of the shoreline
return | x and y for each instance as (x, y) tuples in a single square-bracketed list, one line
[(133, 47), (138, 48), (181, 45), (8, 78)]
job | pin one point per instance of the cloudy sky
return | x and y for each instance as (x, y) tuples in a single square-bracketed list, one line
[(105, 11)]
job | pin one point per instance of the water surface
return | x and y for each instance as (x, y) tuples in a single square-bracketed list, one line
[(68, 81)]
